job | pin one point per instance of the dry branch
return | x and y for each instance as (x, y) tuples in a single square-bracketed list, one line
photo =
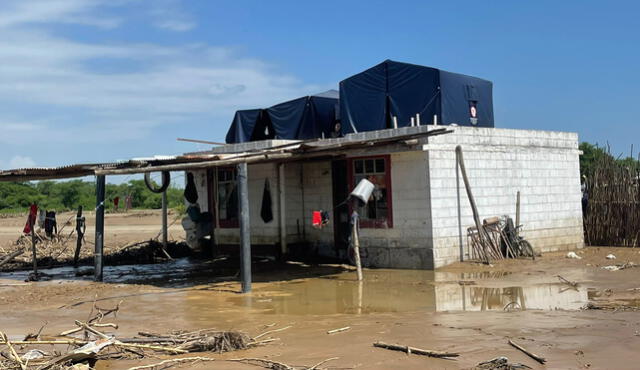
[(338, 330), (170, 362), (572, 284), (11, 256), (417, 351), (541, 360), (14, 354), (271, 331), (268, 364)]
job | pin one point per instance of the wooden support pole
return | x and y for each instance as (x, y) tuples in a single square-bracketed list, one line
[(282, 212), (517, 211), (80, 228), (356, 244), (97, 257), (476, 218), (245, 231), (460, 242), (164, 219), (33, 248)]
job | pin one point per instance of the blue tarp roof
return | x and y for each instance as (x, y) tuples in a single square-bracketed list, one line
[(303, 118), (369, 100)]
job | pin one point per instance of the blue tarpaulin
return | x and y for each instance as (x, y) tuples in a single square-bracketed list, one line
[(303, 118), (369, 100)]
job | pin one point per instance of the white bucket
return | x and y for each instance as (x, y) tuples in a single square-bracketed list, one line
[(363, 191)]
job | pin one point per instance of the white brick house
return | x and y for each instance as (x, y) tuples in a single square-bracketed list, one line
[(414, 221)]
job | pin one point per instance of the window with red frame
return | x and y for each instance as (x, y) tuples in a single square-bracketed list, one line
[(377, 213), (227, 198)]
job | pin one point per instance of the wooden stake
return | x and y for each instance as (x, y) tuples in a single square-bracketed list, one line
[(80, 229), (33, 248), (517, 211)]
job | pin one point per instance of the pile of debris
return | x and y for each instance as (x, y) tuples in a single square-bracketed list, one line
[(59, 253), (90, 343)]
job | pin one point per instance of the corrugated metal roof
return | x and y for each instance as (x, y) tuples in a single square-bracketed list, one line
[(299, 151)]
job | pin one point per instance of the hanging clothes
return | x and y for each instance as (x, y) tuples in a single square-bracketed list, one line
[(190, 191), (266, 211), (31, 219), (50, 224)]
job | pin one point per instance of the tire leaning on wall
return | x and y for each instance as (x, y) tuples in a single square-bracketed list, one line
[(166, 179)]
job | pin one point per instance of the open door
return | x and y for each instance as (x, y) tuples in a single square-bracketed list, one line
[(341, 229)]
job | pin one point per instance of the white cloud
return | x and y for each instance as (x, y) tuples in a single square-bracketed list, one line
[(20, 12), (153, 85), (167, 14), (19, 161)]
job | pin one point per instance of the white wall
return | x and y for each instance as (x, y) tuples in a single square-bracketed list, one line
[(407, 244), (542, 165)]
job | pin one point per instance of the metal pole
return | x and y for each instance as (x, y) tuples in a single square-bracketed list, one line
[(245, 231), (164, 219), (97, 257)]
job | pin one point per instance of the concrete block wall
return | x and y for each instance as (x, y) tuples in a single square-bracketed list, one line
[(318, 195), (542, 165), (261, 232), (408, 243)]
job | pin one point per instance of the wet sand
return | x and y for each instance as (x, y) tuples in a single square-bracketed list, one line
[(425, 309), (459, 308)]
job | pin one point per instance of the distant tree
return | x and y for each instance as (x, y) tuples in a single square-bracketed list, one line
[(68, 195), (590, 154)]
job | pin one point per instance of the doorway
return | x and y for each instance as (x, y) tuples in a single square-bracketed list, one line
[(340, 187)]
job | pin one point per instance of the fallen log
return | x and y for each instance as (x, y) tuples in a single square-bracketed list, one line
[(11, 256), (417, 351), (541, 360)]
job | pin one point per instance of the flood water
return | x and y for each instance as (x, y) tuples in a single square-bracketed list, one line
[(329, 290)]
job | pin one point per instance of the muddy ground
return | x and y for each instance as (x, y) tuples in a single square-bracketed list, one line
[(459, 308)]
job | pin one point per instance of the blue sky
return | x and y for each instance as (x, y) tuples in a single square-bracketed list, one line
[(101, 80)]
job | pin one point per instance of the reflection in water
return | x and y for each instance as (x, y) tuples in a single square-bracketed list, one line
[(389, 291), (535, 297), (340, 294), (333, 293)]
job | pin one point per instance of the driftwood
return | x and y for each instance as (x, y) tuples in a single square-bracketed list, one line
[(11, 256), (338, 330), (165, 363), (541, 360), (268, 364), (15, 356), (417, 351), (572, 284), (270, 331)]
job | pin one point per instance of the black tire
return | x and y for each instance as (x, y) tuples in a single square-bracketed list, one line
[(166, 179), (527, 249)]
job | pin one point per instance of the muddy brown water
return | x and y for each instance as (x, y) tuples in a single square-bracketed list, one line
[(459, 309)]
